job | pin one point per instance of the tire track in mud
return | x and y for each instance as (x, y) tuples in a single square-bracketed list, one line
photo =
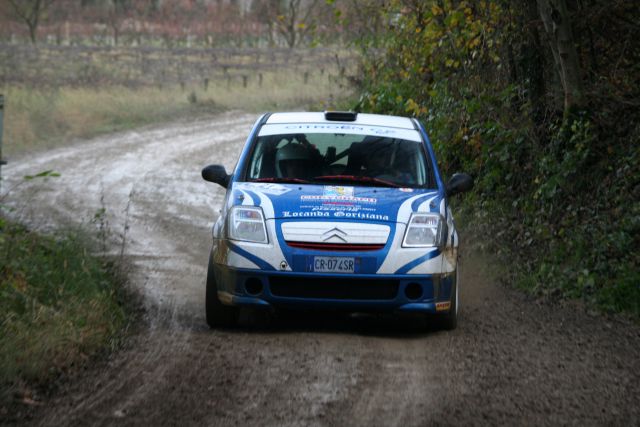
[(512, 360), (142, 179)]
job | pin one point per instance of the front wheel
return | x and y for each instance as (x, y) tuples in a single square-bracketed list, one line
[(218, 314), (449, 321)]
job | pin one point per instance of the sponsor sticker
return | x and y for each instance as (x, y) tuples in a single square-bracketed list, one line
[(442, 306), (335, 214), (266, 188), (312, 214), (288, 129), (361, 215), (338, 199), (331, 191), (341, 128)]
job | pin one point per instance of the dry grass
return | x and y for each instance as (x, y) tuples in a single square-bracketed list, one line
[(37, 119)]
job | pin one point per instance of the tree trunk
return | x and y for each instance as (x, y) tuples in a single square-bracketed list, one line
[(29, 12), (557, 25), (33, 28), (533, 64)]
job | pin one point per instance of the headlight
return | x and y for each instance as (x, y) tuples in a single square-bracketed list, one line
[(424, 230), (247, 223)]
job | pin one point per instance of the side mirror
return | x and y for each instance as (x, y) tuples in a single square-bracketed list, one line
[(459, 183), (216, 174)]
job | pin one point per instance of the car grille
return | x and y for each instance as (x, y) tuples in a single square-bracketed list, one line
[(336, 246), (333, 288), (335, 232)]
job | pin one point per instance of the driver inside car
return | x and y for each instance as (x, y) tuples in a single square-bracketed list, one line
[(389, 162), (293, 161), (377, 162)]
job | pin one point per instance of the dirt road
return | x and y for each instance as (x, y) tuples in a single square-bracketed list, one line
[(512, 360)]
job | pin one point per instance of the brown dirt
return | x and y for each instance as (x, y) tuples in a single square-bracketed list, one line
[(513, 359)]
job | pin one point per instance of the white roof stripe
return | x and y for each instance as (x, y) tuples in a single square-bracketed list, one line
[(362, 119), (338, 127)]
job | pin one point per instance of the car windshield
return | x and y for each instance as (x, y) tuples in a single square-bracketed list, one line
[(320, 158)]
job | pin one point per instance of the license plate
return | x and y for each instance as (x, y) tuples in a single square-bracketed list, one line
[(332, 264)]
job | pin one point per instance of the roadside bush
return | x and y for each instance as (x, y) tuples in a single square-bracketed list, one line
[(58, 306), (556, 191)]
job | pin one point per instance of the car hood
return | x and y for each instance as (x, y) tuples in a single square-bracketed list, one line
[(332, 202)]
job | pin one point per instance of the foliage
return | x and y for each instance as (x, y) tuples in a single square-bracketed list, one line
[(58, 306), (558, 193)]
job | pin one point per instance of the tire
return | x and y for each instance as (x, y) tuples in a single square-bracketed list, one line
[(218, 314), (449, 321)]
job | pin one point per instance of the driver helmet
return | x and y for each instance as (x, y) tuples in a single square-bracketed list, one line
[(292, 153)]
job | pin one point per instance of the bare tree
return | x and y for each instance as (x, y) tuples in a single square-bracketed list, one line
[(116, 14), (294, 20), (30, 12), (363, 21), (264, 13)]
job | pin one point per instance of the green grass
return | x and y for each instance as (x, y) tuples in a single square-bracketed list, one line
[(38, 119), (58, 306)]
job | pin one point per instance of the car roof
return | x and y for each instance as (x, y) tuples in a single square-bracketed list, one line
[(361, 119)]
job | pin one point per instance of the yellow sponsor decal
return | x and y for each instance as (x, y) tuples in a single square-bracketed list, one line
[(442, 306)]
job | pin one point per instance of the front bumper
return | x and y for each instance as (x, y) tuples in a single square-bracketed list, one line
[(349, 292)]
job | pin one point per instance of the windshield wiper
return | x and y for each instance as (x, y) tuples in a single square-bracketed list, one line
[(356, 179), (281, 180)]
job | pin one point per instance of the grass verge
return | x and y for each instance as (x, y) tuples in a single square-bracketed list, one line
[(59, 305), (38, 119)]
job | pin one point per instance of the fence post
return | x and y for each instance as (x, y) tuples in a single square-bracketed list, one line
[(2, 161)]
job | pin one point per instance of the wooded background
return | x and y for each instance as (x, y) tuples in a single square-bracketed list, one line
[(540, 102), (171, 23)]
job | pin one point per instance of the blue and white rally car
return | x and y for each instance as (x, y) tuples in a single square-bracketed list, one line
[(335, 210)]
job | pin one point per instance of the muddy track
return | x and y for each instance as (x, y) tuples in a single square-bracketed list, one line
[(513, 360)]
